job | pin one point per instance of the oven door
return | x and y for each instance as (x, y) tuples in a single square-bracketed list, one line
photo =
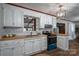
[(52, 43), (52, 40)]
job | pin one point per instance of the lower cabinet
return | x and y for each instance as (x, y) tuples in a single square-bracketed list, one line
[(23, 47), (19, 48), (37, 45), (44, 44), (63, 42), (6, 51), (18, 51), (28, 47)]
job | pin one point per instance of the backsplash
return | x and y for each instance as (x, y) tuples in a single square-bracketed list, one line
[(10, 31), (17, 31)]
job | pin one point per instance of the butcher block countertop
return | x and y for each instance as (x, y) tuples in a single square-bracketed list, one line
[(63, 34), (21, 37), (59, 34)]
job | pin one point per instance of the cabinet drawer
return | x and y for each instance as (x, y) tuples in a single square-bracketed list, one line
[(19, 43), (6, 52), (18, 51), (7, 44)]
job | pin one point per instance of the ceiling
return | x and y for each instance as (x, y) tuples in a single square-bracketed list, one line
[(72, 9)]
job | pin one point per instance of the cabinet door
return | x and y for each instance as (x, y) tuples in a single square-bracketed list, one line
[(42, 20), (8, 43), (28, 48), (18, 18), (8, 19), (59, 42), (54, 22), (43, 43), (18, 51), (37, 46), (63, 43), (6, 52), (19, 47), (48, 19), (19, 43), (0, 52)]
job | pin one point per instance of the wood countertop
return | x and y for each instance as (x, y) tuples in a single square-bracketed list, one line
[(21, 37), (59, 34), (53, 33), (63, 34)]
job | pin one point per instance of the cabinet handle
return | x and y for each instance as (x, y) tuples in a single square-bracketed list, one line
[(13, 23), (12, 48)]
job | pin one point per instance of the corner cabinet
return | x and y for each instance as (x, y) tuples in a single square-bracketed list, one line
[(12, 17), (63, 42)]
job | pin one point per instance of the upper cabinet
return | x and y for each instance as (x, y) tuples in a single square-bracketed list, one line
[(12, 17), (54, 21), (42, 20), (45, 19), (48, 19), (8, 16), (18, 18)]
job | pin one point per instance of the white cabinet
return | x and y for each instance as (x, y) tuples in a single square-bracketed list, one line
[(37, 46), (28, 47), (12, 17), (0, 52), (12, 47), (7, 44), (43, 43), (7, 48), (71, 31), (54, 22), (18, 18), (18, 51), (6, 51), (42, 20), (22, 47), (19, 48), (45, 19), (48, 19), (8, 12), (63, 42)]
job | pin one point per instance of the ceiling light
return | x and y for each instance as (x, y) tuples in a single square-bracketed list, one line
[(60, 11)]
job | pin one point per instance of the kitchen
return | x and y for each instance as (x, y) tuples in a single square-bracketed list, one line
[(25, 31)]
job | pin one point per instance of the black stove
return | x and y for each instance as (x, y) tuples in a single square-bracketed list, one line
[(51, 40)]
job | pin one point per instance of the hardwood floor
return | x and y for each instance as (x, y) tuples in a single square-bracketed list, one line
[(73, 51)]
